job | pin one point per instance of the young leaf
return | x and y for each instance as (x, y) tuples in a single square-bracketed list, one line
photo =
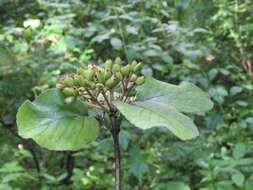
[(55, 125), (160, 105)]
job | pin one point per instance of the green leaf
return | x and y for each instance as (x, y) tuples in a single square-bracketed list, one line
[(177, 186), (247, 27), (132, 30), (185, 97), (239, 151), (11, 177), (5, 187), (235, 90), (100, 38), (146, 115), (151, 53), (116, 43), (32, 23), (212, 73), (6, 57), (54, 125), (136, 163), (124, 139), (218, 94), (11, 167), (238, 178), (160, 106)]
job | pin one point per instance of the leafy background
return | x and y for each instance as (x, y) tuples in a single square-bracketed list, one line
[(206, 42)]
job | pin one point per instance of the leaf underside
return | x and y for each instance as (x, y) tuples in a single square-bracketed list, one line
[(161, 105), (54, 125)]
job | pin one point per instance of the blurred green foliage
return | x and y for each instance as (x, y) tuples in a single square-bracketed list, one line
[(205, 42)]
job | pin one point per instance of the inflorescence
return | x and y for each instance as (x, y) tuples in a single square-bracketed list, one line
[(98, 86)]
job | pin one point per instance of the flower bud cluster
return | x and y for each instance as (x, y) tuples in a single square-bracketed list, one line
[(99, 86)]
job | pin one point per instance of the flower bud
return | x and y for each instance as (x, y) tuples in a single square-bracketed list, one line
[(79, 80), (118, 61), (116, 68), (108, 64), (70, 81), (133, 64), (133, 78), (59, 85), (112, 82), (92, 66), (138, 67), (80, 71), (69, 92), (140, 80), (107, 74), (92, 85), (89, 74), (125, 70), (62, 80), (119, 76), (69, 100), (100, 76), (100, 86), (86, 82), (89, 84), (75, 80)]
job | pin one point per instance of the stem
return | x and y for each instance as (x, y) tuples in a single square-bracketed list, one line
[(128, 92), (69, 166), (121, 34), (107, 101), (111, 95), (35, 159), (115, 130), (123, 90), (96, 101)]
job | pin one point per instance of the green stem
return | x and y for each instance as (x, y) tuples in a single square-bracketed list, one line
[(121, 34)]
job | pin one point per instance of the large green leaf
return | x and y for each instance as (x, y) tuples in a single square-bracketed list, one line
[(143, 116), (54, 125), (160, 105), (185, 97)]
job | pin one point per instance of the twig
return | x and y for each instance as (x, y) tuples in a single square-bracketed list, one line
[(96, 101), (129, 90), (107, 101), (111, 95)]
